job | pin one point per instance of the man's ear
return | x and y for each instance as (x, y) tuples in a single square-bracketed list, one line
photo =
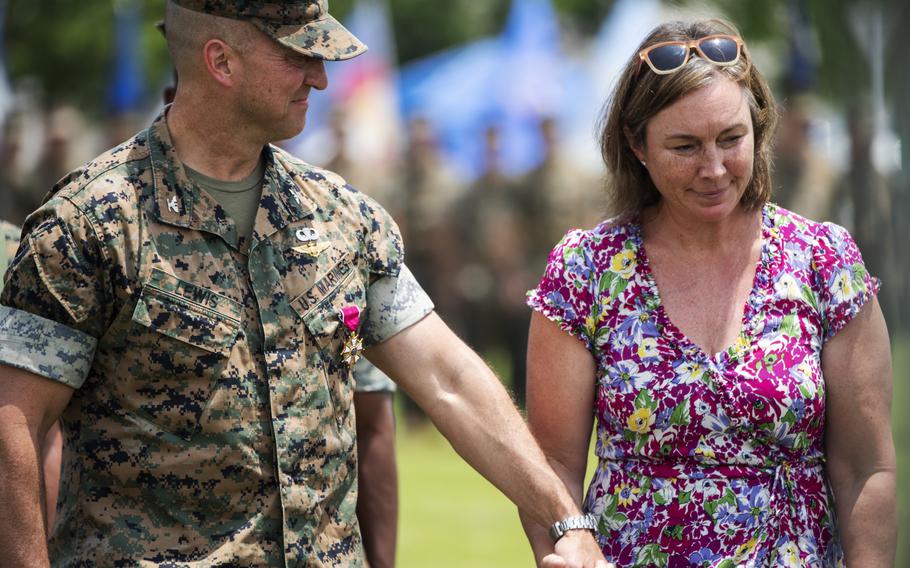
[(221, 61), (637, 148)]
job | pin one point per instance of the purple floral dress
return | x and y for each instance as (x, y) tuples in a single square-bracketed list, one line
[(710, 460)]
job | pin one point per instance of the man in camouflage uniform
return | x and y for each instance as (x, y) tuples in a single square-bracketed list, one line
[(377, 470), (202, 370)]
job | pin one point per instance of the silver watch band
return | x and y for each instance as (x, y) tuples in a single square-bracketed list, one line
[(583, 522)]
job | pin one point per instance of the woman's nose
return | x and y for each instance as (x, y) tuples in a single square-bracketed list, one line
[(712, 162)]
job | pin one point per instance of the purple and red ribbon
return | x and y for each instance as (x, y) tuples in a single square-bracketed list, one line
[(350, 316)]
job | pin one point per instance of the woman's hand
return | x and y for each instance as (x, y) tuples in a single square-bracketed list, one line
[(577, 549)]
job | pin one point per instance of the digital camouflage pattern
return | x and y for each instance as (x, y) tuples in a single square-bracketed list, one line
[(395, 304), (212, 420), (303, 25)]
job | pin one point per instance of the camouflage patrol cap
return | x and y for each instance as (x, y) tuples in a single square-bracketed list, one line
[(302, 25)]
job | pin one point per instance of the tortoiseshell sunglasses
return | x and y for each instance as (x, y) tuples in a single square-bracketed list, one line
[(668, 56)]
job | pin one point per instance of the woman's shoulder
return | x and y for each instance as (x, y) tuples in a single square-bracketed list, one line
[(607, 235), (797, 230)]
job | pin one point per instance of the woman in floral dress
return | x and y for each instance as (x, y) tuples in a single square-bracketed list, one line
[(733, 353)]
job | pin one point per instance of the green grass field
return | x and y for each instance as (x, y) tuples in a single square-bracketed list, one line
[(452, 518)]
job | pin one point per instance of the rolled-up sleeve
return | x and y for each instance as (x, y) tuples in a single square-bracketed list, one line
[(56, 300), (394, 303), (45, 347)]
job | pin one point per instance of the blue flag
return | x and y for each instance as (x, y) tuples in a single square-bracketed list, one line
[(127, 86), (511, 81)]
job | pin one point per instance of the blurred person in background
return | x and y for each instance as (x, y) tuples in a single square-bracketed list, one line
[(377, 470), (430, 193), (10, 172), (201, 356), (734, 353), (60, 128), (557, 195), (804, 181), (491, 260), (381, 186), (341, 162), (475, 280)]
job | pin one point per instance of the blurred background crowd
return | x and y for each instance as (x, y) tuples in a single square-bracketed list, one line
[(474, 123)]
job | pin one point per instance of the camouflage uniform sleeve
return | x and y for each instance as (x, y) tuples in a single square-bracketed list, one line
[(55, 302), (394, 303), (384, 249)]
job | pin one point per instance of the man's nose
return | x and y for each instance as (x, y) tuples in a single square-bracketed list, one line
[(316, 75)]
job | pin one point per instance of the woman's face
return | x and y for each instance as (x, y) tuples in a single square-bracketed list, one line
[(699, 151)]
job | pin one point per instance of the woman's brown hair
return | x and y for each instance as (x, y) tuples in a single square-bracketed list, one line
[(640, 94)]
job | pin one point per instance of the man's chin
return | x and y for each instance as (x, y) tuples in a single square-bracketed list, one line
[(288, 134)]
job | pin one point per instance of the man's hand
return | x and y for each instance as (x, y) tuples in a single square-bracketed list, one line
[(577, 549)]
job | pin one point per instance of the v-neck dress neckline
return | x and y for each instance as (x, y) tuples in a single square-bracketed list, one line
[(753, 301)]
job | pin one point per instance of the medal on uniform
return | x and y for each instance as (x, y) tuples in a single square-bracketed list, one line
[(311, 246), (353, 345), (311, 249)]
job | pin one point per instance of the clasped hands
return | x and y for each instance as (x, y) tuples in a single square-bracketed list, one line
[(577, 549)]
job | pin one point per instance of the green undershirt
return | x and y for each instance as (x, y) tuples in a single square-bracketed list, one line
[(239, 199)]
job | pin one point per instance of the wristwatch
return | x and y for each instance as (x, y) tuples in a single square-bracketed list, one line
[(583, 522)]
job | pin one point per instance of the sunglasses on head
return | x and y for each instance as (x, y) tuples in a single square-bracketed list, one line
[(669, 56)]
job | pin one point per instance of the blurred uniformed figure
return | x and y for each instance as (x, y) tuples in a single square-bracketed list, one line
[(804, 180)]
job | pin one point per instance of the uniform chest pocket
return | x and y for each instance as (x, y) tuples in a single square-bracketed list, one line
[(320, 307), (177, 350), (335, 345), (324, 321)]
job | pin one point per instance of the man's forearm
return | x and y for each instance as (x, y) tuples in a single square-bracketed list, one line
[(22, 534), (481, 422), (473, 411)]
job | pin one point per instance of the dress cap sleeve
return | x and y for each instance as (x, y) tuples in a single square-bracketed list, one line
[(846, 285), (564, 293)]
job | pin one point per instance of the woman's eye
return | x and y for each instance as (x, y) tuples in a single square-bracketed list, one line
[(731, 140), (684, 147)]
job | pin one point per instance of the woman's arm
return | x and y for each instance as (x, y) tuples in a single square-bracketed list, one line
[(860, 450), (560, 399)]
